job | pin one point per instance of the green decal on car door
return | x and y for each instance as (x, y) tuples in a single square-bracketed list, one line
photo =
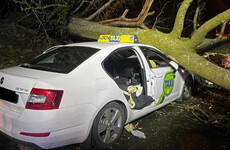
[(167, 86)]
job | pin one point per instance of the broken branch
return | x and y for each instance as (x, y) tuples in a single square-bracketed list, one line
[(222, 30), (138, 21), (157, 20), (100, 10)]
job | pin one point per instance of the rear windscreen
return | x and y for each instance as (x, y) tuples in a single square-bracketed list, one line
[(61, 59)]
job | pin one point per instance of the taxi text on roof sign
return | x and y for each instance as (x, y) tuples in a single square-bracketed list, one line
[(125, 38)]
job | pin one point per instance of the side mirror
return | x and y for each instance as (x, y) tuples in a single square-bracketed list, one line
[(174, 65)]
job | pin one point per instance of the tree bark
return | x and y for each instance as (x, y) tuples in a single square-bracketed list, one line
[(183, 50), (218, 46), (184, 55), (179, 22), (199, 35)]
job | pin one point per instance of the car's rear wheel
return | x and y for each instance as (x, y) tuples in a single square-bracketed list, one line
[(108, 126)]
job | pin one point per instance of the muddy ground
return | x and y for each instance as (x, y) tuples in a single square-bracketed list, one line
[(202, 123), (173, 127)]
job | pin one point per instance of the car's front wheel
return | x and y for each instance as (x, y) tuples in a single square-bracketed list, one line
[(108, 126), (187, 90)]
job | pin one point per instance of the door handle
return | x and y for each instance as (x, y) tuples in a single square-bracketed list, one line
[(158, 76)]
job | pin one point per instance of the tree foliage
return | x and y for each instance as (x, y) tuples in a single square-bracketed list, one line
[(47, 17)]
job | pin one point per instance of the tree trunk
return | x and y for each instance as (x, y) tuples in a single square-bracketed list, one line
[(183, 54)]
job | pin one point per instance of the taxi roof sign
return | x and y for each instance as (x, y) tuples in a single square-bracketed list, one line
[(120, 38)]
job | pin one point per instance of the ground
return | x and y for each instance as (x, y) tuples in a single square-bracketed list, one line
[(203, 122), (176, 127), (171, 127)]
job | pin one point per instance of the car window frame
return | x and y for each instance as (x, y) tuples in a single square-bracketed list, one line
[(157, 53)]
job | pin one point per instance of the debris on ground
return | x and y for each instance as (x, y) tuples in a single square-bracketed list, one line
[(213, 107), (133, 129)]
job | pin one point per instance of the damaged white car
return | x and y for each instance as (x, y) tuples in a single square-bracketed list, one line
[(86, 92)]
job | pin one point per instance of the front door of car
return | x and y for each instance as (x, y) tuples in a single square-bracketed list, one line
[(161, 76), (164, 81)]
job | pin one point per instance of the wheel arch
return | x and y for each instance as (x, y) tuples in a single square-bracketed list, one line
[(87, 142), (124, 108), (120, 102), (189, 78)]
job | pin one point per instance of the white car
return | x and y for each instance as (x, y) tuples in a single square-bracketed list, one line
[(86, 92)]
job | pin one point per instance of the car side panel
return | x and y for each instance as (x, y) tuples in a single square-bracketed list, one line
[(90, 85)]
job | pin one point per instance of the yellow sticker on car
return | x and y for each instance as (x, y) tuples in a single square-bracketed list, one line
[(124, 38)]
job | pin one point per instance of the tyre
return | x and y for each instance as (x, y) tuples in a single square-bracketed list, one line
[(187, 90), (108, 126)]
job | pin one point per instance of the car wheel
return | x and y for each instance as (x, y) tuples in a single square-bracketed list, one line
[(187, 90), (108, 126)]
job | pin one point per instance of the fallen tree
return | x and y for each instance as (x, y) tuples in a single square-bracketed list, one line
[(183, 50)]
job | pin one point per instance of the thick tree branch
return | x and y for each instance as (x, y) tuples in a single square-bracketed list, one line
[(165, 42), (214, 45), (182, 50), (135, 22), (204, 68), (199, 35), (79, 27), (207, 43), (179, 22)]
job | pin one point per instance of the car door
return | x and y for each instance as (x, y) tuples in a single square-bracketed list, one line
[(162, 76)]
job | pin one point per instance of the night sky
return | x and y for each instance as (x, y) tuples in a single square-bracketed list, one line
[(214, 7)]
